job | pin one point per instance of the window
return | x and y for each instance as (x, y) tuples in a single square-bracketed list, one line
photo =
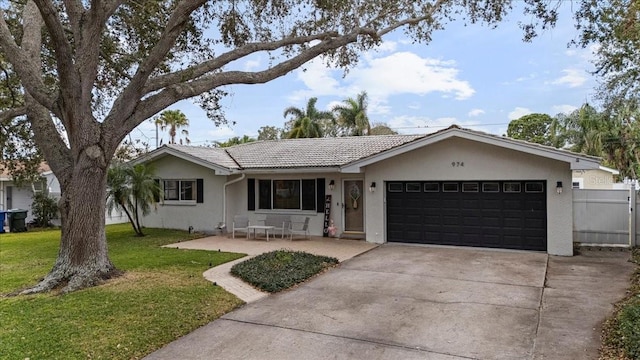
[(470, 187), (413, 187), (575, 185), (179, 190), (287, 194), (511, 187), (395, 187), (491, 187), (533, 187), (450, 187), (431, 187)]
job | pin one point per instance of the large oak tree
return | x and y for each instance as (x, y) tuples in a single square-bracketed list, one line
[(99, 68)]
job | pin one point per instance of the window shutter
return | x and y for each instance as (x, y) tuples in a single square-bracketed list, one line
[(199, 191), (156, 196), (251, 194), (320, 195)]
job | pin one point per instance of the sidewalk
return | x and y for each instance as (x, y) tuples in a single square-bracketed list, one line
[(340, 249)]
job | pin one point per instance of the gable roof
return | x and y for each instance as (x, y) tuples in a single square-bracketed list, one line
[(216, 159), (313, 152), (577, 161), (344, 154)]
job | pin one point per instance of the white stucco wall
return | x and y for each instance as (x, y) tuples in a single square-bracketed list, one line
[(203, 217), (481, 162)]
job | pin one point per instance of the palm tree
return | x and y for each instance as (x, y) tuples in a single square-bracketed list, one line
[(352, 115), (173, 120), (584, 129), (132, 190), (234, 141), (306, 123), (119, 192)]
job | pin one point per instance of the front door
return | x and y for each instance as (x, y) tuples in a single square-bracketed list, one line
[(354, 205)]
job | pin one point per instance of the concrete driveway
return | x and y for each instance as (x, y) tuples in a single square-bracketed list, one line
[(413, 302)]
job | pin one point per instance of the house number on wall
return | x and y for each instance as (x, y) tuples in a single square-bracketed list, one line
[(457, 163)]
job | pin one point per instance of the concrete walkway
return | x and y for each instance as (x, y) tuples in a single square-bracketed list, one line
[(416, 302), (340, 249)]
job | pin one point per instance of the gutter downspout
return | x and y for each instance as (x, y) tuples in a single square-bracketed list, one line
[(224, 199)]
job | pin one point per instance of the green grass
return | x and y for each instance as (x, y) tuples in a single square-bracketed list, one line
[(281, 269), (621, 333), (161, 297)]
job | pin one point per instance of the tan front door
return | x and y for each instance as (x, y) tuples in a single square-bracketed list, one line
[(354, 205)]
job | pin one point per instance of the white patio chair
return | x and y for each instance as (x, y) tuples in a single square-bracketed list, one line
[(302, 231), (241, 223)]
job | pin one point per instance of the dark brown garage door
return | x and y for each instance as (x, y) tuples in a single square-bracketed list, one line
[(498, 214)]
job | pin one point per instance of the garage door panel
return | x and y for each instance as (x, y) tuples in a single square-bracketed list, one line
[(474, 221), (491, 204), (450, 203), (513, 204), (450, 220), (487, 217), (471, 204)]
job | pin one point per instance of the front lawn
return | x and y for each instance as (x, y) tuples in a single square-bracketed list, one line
[(621, 332), (161, 297)]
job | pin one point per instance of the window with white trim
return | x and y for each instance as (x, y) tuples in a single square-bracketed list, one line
[(287, 194), (179, 190)]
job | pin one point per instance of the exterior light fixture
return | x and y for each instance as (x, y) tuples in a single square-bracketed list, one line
[(559, 187), (332, 185), (372, 187)]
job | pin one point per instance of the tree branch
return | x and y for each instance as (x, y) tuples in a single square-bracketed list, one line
[(196, 71), (64, 53), (74, 12), (123, 107), (24, 66), (412, 21), (12, 113), (170, 95), (44, 130)]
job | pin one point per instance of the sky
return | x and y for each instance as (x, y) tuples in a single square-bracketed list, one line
[(473, 76)]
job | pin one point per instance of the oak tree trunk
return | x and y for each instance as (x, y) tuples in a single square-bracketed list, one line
[(83, 260)]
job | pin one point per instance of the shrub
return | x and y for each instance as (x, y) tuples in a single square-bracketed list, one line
[(44, 208), (281, 269)]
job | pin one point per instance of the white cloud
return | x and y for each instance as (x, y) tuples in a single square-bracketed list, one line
[(382, 77), (251, 65), (572, 77), (221, 133), (526, 77), (387, 47), (564, 109), (519, 112), (414, 106), (406, 72), (332, 104), (319, 81), (378, 106), (475, 112)]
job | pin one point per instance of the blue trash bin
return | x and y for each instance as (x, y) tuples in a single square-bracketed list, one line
[(2, 216)]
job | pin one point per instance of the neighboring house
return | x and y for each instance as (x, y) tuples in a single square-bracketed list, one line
[(601, 178), (21, 197), (452, 187), (15, 197)]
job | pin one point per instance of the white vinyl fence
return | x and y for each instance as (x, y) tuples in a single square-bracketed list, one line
[(605, 217)]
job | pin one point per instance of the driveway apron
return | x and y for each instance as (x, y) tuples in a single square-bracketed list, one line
[(415, 302)]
